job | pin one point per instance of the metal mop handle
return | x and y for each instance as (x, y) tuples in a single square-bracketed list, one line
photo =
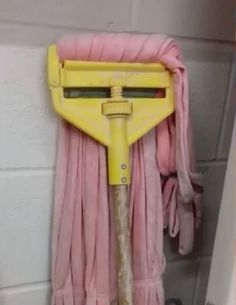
[(123, 247)]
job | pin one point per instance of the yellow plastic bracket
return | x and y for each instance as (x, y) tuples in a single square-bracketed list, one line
[(116, 122)]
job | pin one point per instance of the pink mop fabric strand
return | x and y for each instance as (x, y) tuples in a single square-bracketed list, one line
[(165, 191)]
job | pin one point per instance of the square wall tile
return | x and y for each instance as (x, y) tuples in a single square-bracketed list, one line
[(213, 186), (17, 34), (221, 288), (180, 280), (28, 122), (229, 117), (82, 14), (25, 228), (208, 67), (202, 18), (171, 249), (34, 294), (202, 281)]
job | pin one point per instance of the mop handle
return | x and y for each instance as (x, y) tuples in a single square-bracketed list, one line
[(123, 245)]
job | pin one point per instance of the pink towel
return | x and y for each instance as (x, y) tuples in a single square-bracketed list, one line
[(165, 191)]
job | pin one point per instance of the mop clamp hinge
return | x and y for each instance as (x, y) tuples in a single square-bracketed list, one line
[(117, 108), (116, 120)]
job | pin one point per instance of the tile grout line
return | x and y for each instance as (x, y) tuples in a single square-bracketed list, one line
[(135, 4), (26, 172), (132, 11), (72, 28), (42, 284), (212, 162), (8, 172), (190, 260)]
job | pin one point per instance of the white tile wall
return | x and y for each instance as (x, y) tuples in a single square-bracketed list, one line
[(25, 226), (202, 18), (34, 294), (28, 125), (213, 180), (20, 34), (180, 280), (85, 14), (209, 70), (228, 118), (201, 286)]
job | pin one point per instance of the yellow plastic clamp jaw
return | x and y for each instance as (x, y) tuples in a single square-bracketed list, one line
[(116, 122)]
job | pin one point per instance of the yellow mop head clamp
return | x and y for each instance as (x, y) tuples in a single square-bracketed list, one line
[(115, 121)]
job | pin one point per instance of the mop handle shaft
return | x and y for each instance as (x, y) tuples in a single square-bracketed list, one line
[(123, 245)]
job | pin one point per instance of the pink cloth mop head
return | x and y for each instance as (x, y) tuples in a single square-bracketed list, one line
[(165, 192)]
